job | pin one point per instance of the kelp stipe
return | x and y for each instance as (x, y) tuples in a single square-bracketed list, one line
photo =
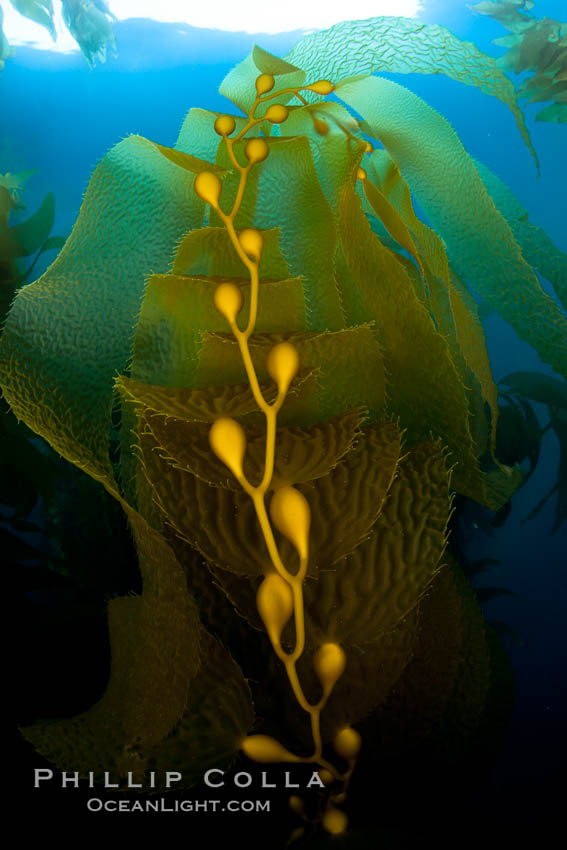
[(363, 334), (280, 593)]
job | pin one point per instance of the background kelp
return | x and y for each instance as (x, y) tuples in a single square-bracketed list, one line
[(403, 46), (26, 470), (88, 21), (393, 410), (521, 388), (537, 48), (5, 51), (22, 239)]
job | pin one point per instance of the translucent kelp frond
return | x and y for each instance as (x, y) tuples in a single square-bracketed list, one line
[(5, 51), (177, 307), (198, 137), (553, 393), (456, 317), (480, 243), (538, 47), (402, 46), (22, 239), (537, 248), (238, 85), (556, 113), (433, 400), (25, 238), (40, 11), (135, 210), (88, 21), (90, 25), (510, 13), (290, 166), (301, 454), (14, 182)]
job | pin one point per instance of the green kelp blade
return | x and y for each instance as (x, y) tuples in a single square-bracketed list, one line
[(454, 309), (239, 84), (7, 203), (425, 404), (485, 594), (346, 503), (519, 433), (23, 239), (40, 11), (94, 741), (463, 330), (556, 113), (204, 405), (240, 591), (223, 526), (402, 46), (372, 672), (92, 28), (301, 454), (201, 406), (335, 141), (189, 163), (307, 233), (198, 136), (383, 173), (215, 610), (14, 182), (425, 389), (393, 222), (54, 243), (537, 387), (438, 703), (218, 716), (375, 587), (552, 392), (510, 13), (71, 331), (168, 655), (176, 311), (542, 88), (537, 248), (209, 251), (480, 243), (344, 359), (154, 656), (5, 51)]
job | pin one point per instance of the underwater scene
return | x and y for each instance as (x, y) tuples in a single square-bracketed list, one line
[(283, 361)]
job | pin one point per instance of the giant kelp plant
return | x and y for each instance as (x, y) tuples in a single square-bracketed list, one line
[(538, 50), (303, 383)]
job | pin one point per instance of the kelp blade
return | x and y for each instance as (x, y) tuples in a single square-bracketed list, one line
[(402, 46), (481, 245)]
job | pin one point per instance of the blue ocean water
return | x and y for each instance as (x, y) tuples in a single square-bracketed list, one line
[(61, 117)]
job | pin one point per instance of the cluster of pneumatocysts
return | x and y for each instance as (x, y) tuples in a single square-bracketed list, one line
[(280, 594)]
